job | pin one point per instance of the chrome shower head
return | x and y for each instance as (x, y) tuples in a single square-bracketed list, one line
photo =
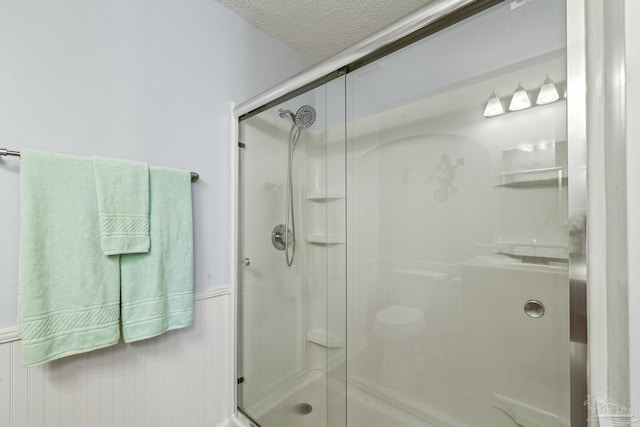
[(287, 114), (305, 117)]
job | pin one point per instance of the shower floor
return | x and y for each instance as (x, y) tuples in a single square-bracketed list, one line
[(369, 405), (311, 388)]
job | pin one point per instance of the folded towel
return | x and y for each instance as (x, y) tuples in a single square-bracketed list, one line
[(157, 287), (122, 188), (69, 293)]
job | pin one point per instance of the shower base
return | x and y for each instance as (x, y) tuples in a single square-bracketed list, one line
[(311, 388)]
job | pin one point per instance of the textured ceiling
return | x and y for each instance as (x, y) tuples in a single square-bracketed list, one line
[(318, 29)]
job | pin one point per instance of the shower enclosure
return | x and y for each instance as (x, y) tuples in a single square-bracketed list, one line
[(407, 232)]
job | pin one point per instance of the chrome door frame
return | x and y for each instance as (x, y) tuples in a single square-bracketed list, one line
[(577, 209)]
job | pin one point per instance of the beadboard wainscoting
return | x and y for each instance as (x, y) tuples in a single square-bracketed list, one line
[(181, 378)]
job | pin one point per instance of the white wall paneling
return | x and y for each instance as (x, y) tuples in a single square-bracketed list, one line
[(178, 379)]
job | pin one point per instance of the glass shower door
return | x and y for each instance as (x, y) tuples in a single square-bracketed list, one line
[(458, 286), (291, 287)]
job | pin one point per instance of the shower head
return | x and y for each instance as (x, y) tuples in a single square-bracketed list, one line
[(305, 117), (287, 114)]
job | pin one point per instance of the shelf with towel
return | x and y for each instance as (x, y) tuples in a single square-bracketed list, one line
[(7, 152)]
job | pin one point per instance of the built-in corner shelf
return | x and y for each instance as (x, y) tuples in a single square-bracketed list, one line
[(324, 197), (325, 239), (323, 339), (554, 176)]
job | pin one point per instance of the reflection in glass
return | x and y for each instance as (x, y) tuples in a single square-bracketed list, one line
[(494, 106), (520, 99), (548, 92)]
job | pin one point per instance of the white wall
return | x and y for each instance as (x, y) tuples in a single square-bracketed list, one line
[(150, 81), (142, 80)]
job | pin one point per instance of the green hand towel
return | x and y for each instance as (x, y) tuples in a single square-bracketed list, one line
[(122, 188), (157, 287), (69, 293)]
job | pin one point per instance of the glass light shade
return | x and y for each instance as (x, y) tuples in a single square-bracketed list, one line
[(520, 100), (548, 92), (494, 106)]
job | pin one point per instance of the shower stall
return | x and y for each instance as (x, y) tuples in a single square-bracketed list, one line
[(409, 227)]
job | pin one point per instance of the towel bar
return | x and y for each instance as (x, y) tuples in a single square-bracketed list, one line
[(5, 152)]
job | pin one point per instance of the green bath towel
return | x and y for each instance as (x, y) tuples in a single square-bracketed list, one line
[(122, 188), (69, 290), (157, 287)]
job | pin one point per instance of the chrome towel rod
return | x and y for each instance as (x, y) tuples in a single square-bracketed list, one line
[(5, 152)]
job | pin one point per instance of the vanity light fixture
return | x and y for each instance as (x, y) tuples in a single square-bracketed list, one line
[(548, 92), (520, 99), (494, 106)]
